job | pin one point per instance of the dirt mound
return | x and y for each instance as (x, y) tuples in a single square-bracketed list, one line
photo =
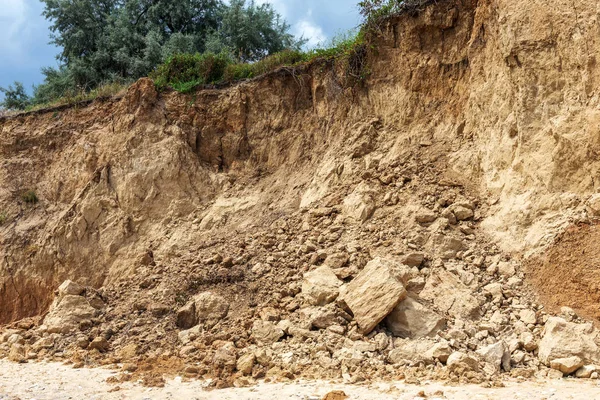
[(568, 273)]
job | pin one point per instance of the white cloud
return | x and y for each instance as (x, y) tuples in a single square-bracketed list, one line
[(310, 31), (14, 22)]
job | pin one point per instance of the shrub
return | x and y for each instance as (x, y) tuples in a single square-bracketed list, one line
[(184, 72), (238, 71), (30, 197), (3, 218)]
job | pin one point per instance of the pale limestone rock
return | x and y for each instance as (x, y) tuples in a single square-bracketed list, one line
[(497, 355), (462, 213), (321, 286), (462, 360), (562, 339), (67, 313), (586, 371), (69, 287), (411, 319), (528, 316), (245, 363), (374, 293), (205, 307), (440, 351), (567, 365), (360, 204)]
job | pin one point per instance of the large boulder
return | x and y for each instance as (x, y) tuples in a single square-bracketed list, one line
[(449, 294), (67, 313), (374, 293), (321, 286), (411, 319), (206, 307), (562, 340)]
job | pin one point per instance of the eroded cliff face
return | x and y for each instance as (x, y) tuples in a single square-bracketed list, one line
[(489, 106)]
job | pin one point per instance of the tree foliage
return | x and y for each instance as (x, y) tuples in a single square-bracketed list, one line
[(15, 97), (115, 40)]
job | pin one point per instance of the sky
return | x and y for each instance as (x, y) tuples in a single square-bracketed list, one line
[(24, 33)]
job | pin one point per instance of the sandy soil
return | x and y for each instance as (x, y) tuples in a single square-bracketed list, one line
[(45, 381)]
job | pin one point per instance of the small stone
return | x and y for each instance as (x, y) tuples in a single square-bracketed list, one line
[(506, 269), (99, 343), (245, 363), (321, 286), (69, 287), (586, 371), (528, 316), (17, 353), (425, 216), (414, 259), (266, 332), (567, 365), (462, 213), (461, 360), (411, 319)]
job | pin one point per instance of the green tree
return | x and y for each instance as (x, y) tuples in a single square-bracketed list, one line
[(254, 31), (15, 97), (122, 40)]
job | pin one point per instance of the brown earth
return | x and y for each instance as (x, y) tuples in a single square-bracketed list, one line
[(568, 273)]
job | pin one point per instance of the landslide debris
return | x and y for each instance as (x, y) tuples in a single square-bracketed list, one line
[(292, 227)]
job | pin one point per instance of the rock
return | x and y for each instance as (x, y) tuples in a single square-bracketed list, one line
[(99, 343), (323, 318), (67, 313), (586, 371), (360, 204), (568, 313), (336, 260), (69, 287), (414, 259), (205, 307), (411, 319), (494, 290), (562, 339), (186, 316), (425, 216), (528, 340), (506, 269), (225, 356), (461, 360), (593, 204), (462, 213), (411, 351), (265, 332), (528, 316), (440, 351), (374, 293), (335, 395), (449, 294), (447, 246), (17, 353), (567, 365), (321, 286), (497, 355), (245, 363)]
